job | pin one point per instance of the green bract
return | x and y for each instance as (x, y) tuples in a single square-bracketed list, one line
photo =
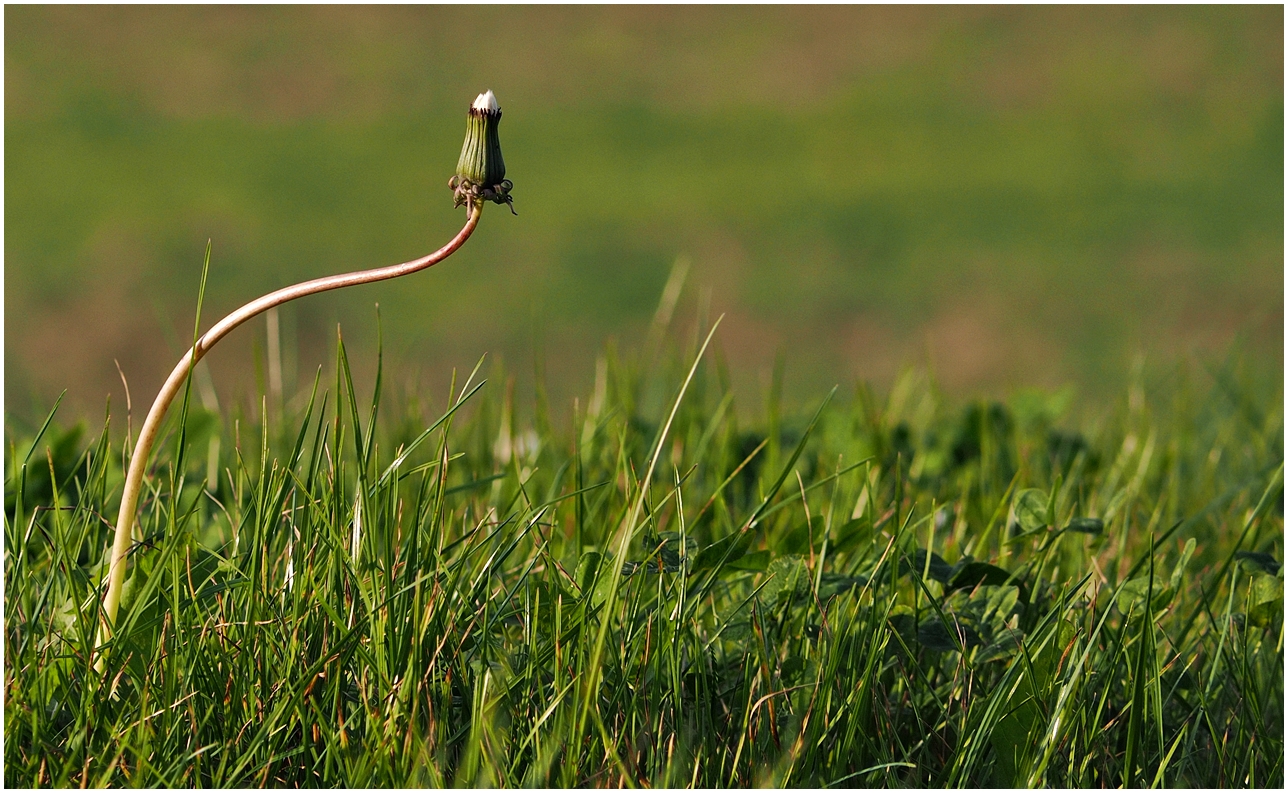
[(480, 171)]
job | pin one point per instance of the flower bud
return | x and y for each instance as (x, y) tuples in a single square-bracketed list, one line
[(480, 172)]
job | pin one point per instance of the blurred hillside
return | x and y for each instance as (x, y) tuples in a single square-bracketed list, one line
[(1013, 196)]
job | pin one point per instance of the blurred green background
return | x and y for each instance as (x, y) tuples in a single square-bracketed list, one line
[(1009, 196)]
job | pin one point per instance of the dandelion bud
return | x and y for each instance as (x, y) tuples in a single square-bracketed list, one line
[(480, 172)]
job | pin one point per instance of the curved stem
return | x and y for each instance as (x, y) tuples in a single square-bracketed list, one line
[(152, 425)]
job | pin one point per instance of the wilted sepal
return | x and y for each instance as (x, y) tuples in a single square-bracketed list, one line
[(480, 172)]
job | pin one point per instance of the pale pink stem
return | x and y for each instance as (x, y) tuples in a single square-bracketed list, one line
[(173, 384)]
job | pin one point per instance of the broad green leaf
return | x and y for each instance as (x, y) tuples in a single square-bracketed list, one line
[(832, 584), (933, 567), (1012, 737), (1005, 644), (798, 539), (792, 668), (788, 577), (666, 554), (1031, 509), (903, 622), (933, 634), (852, 534), (755, 561), (1134, 592), (976, 573), (1086, 525), (587, 570), (730, 549), (1265, 599), (1258, 562)]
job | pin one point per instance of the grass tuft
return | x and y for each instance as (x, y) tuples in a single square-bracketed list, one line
[(900, 592)]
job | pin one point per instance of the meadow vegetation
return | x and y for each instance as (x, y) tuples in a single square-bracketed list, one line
[(626, 565), (371, 590)]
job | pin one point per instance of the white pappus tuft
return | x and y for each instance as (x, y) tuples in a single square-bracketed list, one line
[(486, 101)]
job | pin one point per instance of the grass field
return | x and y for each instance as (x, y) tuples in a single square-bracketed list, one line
[(633, 552), (381, 589)]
